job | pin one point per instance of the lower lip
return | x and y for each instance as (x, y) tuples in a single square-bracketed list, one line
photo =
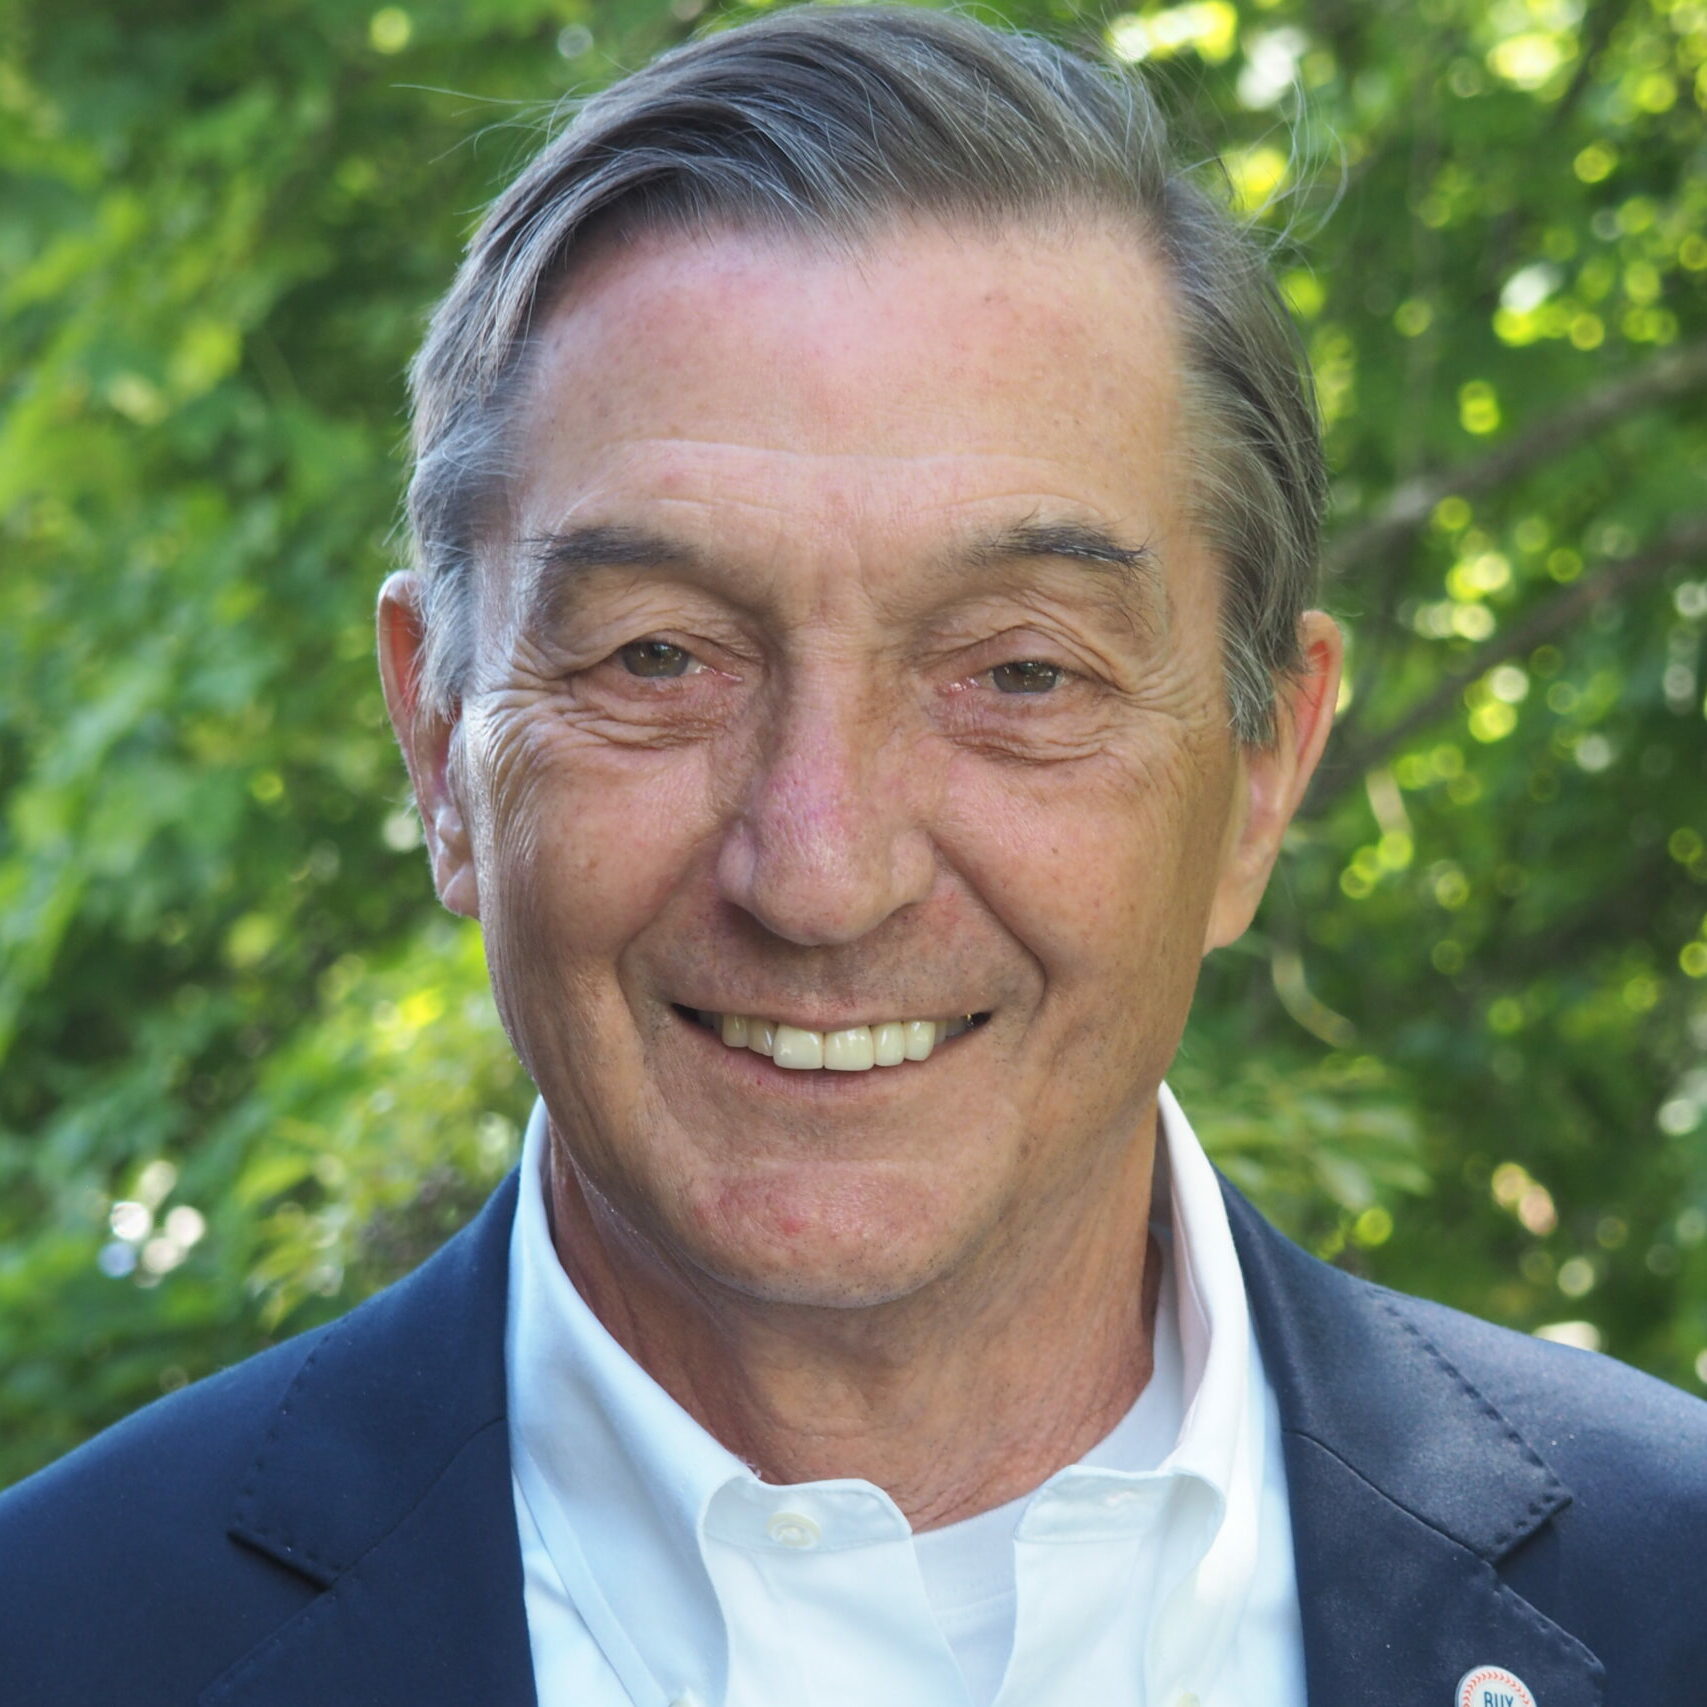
[(762, 1073)]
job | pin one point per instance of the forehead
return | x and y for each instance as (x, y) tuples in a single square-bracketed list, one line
[(927, 381)]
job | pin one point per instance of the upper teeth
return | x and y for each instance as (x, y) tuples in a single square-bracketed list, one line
[(853, 1049)]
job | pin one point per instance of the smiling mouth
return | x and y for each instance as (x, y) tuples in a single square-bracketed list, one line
[(849, 1049)]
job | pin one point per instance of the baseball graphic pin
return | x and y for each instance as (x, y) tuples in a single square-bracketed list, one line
[(1491, 1686)]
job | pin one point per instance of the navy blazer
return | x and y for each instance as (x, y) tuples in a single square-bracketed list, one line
[(331, 1524)]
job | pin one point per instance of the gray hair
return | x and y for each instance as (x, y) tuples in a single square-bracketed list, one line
[(837, 122)]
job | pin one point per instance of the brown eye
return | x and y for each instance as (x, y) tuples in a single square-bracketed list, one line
[(1027, 675), (654, 658)]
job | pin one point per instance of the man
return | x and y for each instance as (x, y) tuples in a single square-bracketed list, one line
[(857, 664)]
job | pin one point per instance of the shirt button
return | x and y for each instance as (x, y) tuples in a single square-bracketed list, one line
[(791, 1529)]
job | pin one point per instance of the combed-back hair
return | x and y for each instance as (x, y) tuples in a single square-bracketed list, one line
[(839, 123)]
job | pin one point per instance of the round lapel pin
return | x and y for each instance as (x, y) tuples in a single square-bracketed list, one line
[(1491, 1686)]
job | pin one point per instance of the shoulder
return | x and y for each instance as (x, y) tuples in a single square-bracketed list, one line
[(1354, 1360), (1601, 1424), (128, 1535), (193, 1530), (1503, 1441), (192, 1444), (1616, 1562), (1578, 1482)]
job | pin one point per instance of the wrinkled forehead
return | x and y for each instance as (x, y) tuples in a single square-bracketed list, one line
[(929, 367)]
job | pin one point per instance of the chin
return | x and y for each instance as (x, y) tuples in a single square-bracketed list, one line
[(856, 1244)]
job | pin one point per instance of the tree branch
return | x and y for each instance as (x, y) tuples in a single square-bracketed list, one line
[(1670, 374), (1594, 36), (1686, 539)]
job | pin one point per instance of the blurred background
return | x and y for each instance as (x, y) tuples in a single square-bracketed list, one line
[(249, 1072)]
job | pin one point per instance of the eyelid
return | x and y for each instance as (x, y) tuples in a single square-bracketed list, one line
[(1030, 646)]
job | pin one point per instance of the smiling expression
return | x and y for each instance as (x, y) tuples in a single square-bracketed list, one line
[(852, 662)]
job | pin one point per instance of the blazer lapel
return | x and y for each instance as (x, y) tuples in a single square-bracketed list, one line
[(1407, 1490), (385, 1480)]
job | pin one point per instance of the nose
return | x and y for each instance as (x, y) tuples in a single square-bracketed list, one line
[(827, 836)]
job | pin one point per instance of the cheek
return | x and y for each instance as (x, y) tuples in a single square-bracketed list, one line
[(581, 845), (1104, 870)]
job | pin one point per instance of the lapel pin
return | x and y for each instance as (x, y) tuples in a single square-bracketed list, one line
[(1491, 1686)]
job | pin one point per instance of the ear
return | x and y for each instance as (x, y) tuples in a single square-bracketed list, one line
[(1270, 781), (427, 739)]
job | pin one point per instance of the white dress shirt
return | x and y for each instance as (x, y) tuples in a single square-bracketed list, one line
[(659, 1571)]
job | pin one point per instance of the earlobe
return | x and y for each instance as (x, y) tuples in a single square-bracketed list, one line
[(1271, 780), (428, 740), (448, 842)]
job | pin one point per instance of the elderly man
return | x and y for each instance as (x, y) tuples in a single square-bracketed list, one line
[(856, 666)]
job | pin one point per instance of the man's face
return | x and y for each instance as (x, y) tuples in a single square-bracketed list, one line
[(853, 662)]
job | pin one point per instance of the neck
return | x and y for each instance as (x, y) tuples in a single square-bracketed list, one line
[(955, 1400)]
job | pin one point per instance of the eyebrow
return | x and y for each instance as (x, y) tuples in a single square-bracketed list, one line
[(602, 547), (1083, 542), (556, 561)]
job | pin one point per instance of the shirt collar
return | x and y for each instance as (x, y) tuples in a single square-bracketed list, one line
[(1194, 1422), (629, 1472), (1214, 1317), (632, 1476)]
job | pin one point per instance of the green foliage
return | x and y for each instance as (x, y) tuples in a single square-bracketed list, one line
[(251, 1072)]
